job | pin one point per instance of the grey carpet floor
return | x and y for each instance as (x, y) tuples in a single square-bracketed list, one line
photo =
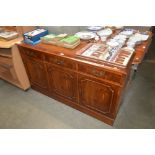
[(19, 109)]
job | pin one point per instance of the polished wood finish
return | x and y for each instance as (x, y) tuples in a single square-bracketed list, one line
[(141, 50), (37, 73), (62, 82), (62, 62), (93, 88), (101, 73), (98, 95)]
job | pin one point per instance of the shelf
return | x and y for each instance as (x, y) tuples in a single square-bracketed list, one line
[(9, 44), (5, 61), (12, 68), (6, 75), (6, 52)]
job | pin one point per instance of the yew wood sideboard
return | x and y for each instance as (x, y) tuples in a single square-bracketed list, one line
[(95, 89)]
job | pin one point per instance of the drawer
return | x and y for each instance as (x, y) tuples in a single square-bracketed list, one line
[(6, 62), (64, 62), (33, 54), (100, 73)]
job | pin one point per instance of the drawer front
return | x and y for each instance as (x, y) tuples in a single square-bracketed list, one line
[(61, 61), (33, 54), (100, 73)]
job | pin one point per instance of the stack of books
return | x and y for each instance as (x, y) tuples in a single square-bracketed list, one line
[(61, 40), (52, 38), (8, 35), (70, 41), (34, 36)]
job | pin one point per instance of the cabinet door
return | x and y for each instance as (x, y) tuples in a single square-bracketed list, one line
[(37, 73), (97, 95), (62, 82)]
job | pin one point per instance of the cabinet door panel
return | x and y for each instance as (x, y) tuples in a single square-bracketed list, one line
[(37, 73), (97, 95), (63, 82)]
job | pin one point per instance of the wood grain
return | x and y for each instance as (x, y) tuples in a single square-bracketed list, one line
[(93, 88)]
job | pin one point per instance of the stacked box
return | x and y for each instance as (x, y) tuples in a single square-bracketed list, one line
[(34, 36)]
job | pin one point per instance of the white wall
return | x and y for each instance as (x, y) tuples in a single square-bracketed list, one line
[(141, 28), (65, 29), (74, 29)]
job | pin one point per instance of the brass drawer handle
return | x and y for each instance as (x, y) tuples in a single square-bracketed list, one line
[(38, 65), (60, 62), (49, 69), (98, 73), (57, 61), (30, 53), (41, 66)]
